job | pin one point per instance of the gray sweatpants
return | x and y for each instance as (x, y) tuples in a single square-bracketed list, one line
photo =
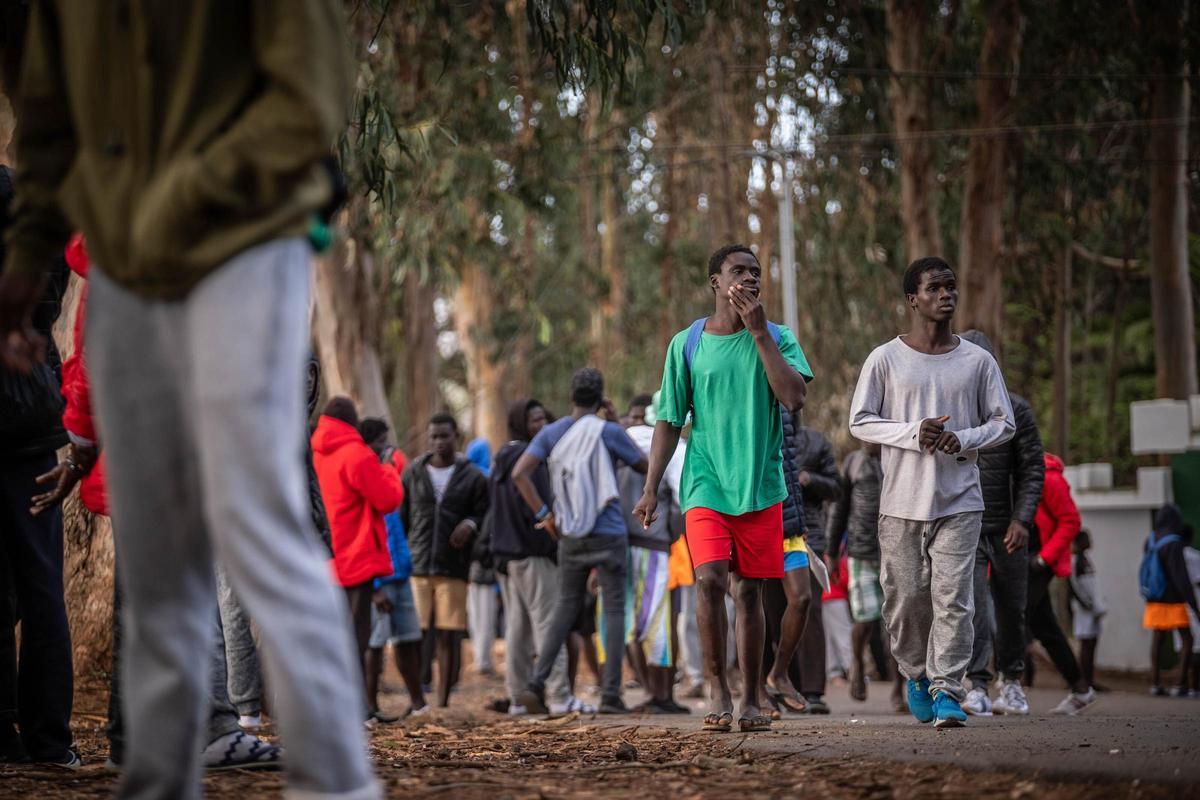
[(530, 596), (241, 652), (201, 410), (926, 568)]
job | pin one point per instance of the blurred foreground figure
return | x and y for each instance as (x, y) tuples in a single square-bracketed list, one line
[(185, 139)]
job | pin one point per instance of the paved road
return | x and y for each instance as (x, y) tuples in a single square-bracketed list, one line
[(1125, 736)]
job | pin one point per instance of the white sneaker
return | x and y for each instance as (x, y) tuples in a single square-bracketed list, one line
[(516, 710), (1074, 703), (1012, 700), (572, 703), (978, 704), (250, 722)]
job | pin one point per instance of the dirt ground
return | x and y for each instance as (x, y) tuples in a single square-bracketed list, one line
[(1129, 746)]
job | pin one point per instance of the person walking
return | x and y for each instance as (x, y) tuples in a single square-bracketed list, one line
[(932, 400), (582, 452), (856, 513), (1057, 524), (786, 602), (1011, 476), (445, 500), (197, 335), (731, 371), (820, 484), (1088, 608)]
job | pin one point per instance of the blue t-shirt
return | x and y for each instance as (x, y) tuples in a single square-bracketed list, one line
[(621, 448)]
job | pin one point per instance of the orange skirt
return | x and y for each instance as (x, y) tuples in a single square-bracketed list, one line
[(1165, 616)]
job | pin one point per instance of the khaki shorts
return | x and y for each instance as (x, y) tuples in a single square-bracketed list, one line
[(441, 602)]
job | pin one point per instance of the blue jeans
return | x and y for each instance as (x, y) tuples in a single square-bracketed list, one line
[(576, 560)]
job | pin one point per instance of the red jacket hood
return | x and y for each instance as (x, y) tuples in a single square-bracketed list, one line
[(358, 491), (1053, 462), (332, 435), (76, 255)]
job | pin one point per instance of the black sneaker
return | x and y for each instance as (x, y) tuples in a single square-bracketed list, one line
[(11, 749), (613, 705), (815, 704), (671, 707), (534, 702)]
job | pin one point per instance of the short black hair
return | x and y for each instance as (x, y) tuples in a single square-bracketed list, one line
[(643, 400), (587, 387), (372, 428), (444, 418), (342, 408), (717, 259), (912, 275)]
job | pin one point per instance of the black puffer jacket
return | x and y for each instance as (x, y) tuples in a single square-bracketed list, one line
[(46, 434), (814, 455), (429, 523), (856, 512), (793, 506), (513, 533), (1011, 475)]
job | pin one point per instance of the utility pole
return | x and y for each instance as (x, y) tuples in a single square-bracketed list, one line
[(787, 247)]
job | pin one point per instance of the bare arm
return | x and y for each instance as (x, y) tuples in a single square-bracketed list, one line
[(662, 448), (522, 478)]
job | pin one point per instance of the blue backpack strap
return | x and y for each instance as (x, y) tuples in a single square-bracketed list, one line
[(693, 342), (776, 332)]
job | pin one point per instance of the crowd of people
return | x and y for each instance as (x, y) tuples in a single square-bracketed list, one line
[(707, 537)]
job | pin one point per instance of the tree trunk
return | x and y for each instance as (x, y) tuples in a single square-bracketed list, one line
[(981, 237), (421, 395), (673, 207), (1170, 286), (346, 323), (907, 22), (486, 377), (606, 333), (1062, 354), (719, 59)]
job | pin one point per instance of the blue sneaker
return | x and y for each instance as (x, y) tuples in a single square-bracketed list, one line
[(948, 712), (919, 701)]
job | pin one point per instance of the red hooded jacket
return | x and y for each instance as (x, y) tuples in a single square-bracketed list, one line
[(358, 490), (1057, 519), (77, 417)]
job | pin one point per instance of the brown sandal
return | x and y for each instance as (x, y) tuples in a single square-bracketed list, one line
[(719, 722)]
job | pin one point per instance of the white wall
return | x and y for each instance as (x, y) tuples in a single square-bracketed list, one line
[(1117, 537)]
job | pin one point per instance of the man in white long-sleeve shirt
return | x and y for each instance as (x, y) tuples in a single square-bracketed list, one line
[(932, 400)]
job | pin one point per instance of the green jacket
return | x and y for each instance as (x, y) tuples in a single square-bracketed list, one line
[(174, 133)]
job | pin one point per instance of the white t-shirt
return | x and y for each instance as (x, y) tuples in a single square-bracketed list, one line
[(440, 477)]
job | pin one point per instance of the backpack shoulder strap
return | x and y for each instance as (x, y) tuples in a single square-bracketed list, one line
[(1164, 541), (693, 341), (776, 332)]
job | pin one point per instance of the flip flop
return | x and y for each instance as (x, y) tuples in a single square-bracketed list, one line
[(719, 722), (792, 703), (759, 723)]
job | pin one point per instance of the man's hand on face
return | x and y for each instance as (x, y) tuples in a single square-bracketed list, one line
[(748, 307), (1016, 537), (608, 411), (21, 346), (550, 525), (646, 510), (931, 431), (461, 535)]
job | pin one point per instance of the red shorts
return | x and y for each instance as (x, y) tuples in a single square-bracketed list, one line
[(752, 543)]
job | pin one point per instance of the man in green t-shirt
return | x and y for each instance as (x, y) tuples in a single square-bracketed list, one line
[(731, 371)]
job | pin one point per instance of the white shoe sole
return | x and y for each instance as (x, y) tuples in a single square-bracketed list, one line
[(977, 713), (1011, 713)]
